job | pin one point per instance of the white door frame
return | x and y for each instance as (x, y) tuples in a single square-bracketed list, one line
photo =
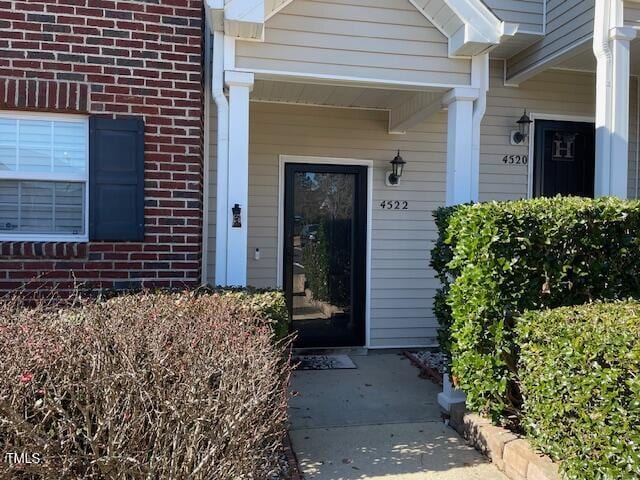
[(532, 135), (284, 159)]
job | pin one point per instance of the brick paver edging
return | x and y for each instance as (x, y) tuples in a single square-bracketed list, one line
[(509, 452)]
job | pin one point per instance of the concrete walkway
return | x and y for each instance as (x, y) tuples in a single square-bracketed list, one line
[(377, 422)]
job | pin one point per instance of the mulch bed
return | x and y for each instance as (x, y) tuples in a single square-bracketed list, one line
[(428, 363)]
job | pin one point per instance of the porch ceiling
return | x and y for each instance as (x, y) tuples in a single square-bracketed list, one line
[(331, 95), (406, 108), (585, 61)]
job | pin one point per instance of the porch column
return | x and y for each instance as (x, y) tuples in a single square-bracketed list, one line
[(611, 47), (462, 180), (240, 85)]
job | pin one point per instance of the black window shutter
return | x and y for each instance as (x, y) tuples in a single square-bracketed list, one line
[(116, 179)]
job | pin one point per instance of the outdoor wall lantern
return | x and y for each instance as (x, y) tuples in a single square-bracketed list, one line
[(237, 215), (397, 166), (519, 136)]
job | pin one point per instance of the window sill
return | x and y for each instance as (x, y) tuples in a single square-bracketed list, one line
[(50, 249)]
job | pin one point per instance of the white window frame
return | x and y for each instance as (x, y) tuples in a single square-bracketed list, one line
[(50, 177)]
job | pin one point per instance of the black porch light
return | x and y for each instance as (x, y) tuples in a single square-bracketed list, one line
[(397, 165), (523, 128)]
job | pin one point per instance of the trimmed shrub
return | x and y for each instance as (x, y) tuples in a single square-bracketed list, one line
[(579, 370), (142, 386), (270, 305), (441, 256), (509, 257)]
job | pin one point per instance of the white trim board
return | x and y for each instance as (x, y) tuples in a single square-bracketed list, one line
[(283, 160), (532, 132), (347, 80)]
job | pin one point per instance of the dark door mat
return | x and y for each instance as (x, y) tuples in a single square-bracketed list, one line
[(323, 362)]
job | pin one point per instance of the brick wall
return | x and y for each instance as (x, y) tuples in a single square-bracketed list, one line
[(114, 58)]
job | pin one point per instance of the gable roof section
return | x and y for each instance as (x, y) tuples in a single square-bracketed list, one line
[(469, 25)]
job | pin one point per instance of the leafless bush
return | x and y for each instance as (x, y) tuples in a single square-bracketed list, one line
[(155, 386)]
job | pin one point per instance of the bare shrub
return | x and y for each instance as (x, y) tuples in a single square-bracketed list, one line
[(157, 386)]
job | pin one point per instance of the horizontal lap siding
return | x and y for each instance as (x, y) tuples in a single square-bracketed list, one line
[(552, 92), (569, 23), (388, 40), (402, 283), (528, 14), (632, 13), (634, 181)]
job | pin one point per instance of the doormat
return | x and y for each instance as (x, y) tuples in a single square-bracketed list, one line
[(323, 362)]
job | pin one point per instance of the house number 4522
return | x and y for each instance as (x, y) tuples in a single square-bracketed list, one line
[(394, 205)]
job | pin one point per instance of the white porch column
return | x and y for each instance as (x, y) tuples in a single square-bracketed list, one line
[(462, 178), (611, 48), (461, 168), (240, 85)]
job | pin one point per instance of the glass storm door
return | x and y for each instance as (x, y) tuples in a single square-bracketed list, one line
[(564, 158), (325, 253)]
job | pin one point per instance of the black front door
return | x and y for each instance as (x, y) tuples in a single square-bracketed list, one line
[(325, 253), (564, 154)]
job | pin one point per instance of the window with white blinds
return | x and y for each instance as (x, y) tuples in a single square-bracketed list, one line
[(43, 176)]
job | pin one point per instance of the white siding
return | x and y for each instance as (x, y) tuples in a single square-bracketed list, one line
[(529, 14), (387, 40), (569, 24)]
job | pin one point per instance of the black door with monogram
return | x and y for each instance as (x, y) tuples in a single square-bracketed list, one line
[(325, 218), (564, 154)]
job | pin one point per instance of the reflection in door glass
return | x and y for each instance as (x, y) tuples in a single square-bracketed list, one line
[(323, 243)]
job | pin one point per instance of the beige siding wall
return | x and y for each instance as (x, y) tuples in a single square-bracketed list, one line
[(527, 13), (634, 126), (554, 92), (402, 284), (632, 13), (388, 40), (550, 93), (569, 23)]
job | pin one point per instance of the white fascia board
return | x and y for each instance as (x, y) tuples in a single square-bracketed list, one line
[(244, 19), (475, 14)]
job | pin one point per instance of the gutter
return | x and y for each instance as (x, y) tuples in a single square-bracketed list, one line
[(214, 58), (222, 156), (479, 80), (602, 52)]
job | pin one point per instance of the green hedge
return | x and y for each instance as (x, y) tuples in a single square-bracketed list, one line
[(509, 257), (579, 371)]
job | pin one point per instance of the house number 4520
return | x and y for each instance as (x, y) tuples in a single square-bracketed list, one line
[(394, 205), (515, 159)]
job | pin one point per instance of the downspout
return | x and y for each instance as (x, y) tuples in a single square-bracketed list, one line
[(222, 104), (602, 52), (637, 133), (479, 80), (205, 158)]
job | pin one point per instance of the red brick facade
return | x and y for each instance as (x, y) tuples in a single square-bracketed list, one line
[(114, 58)]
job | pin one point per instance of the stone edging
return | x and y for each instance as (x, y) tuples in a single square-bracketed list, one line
[(292, 460), (509, 452)]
